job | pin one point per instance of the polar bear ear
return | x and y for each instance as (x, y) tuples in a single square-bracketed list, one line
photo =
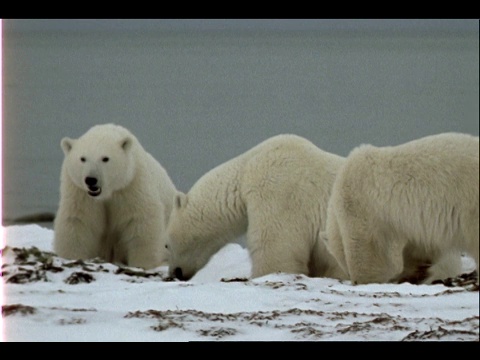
[(126, 143), (67, 144), (180, 200)]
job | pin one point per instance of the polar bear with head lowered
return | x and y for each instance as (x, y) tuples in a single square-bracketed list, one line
[(277, 193), (115, 200), (395, 208)]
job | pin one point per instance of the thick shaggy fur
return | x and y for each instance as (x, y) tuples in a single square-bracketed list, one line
[(395, 209), (277, 193), (122, 217)]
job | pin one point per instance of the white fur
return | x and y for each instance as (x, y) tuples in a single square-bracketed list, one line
[(396, 208), (277, 193), (126, 222)]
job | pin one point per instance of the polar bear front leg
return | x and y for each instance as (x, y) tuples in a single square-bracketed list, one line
[(470, 229), (277, 246), (143, 245), (373, 255), (333, 241), (75, 239)]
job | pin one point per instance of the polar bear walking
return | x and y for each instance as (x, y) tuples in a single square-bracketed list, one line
[(277, 193), (115, 200), (394, 208)]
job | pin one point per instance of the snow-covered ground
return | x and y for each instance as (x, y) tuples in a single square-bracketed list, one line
[(46, 298)]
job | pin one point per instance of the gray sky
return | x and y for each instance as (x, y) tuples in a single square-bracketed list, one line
[(446, 25)]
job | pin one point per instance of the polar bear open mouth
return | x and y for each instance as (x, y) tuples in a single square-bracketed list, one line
[(94, 190)]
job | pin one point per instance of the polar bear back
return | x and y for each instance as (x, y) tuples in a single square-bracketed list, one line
[(418, 199), (420, 176), (289, 171)]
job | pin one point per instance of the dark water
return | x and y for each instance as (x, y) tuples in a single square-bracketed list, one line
[(195, 100)]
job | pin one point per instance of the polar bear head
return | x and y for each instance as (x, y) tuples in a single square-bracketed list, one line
[(101, 161), (193, 237)]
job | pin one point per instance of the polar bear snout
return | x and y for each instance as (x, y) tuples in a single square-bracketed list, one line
[(91, 181), (92, 184), (178, 273)]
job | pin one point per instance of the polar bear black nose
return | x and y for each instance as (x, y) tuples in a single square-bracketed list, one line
[(178, 273), (90, 181)]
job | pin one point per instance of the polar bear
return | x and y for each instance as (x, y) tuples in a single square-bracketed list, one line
[(396, 209), (115, 200), (277, 193)]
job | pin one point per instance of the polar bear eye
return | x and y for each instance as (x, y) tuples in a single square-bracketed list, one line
[(105, 159), (82, 159)]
